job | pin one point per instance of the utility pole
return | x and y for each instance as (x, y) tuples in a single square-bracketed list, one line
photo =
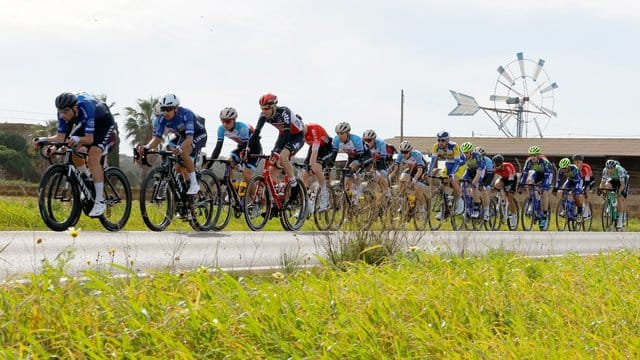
[(401, 115)]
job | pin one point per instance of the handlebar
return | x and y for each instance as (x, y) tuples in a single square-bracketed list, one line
[(43, 145)]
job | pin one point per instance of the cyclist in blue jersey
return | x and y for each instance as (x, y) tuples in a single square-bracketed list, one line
[(413, 172), (188, 132), (378, 149), (353, 146), (539, 171), (615, 177), (84, 121), (475, 171), (290, 136), (569, 178), (489, 173), (239, 133)]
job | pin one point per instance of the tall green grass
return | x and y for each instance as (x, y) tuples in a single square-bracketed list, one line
[(418, 305)]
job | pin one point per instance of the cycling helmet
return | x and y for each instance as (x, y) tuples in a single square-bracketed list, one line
[(611, 163), (498, 160), (228, 113), (369, 134), (466, 147), (577, 157), (535, 150), (564, 163), (443, 135), (343, 127), (169, 100), (480, 150), (268, 99), (157, 111), (66, 100), (406, 146)]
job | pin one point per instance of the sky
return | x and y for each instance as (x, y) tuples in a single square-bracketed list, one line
[(328, 61)]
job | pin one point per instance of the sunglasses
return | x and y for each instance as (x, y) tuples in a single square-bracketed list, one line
[(166, 108), (404, 152), (226, 121), (65, 110), (442, 140), (341, 133), (265, 107)]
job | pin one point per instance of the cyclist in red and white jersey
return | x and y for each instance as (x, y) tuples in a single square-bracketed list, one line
[(320, 146), (505, 179)]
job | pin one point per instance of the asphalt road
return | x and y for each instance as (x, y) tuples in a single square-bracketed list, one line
[(24, 252)]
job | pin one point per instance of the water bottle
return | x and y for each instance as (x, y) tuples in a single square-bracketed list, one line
[(280, 188), (235, 184), (412, 200), (242, 188)]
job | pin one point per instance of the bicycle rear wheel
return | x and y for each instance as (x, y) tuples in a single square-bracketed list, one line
[(225, 202), (117, 195), (437, 209), (341, 207), (257, 200), (59, 199), (157, 203), (458, 218), (528, 215), (513, 226), (208, 177), (562, 221), (324, 218), (587, 221)]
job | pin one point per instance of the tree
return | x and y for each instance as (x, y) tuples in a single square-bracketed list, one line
[(139, 122)]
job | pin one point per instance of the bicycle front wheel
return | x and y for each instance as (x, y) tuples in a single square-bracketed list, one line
[(324, 218), (437, 209), (562, 220), (257, 203), (528, 214), (157, 204), (117, 195), (225, 203), (294, 213), (59, 199), (608, 222), (203, 206)]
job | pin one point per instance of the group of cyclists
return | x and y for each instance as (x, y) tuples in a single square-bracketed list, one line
[(85, 121)]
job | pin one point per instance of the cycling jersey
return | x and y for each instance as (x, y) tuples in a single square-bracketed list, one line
[(414, 161), (543, 171), (507, 172), (587, 173), (379, 150), (239, 134), (488, 164), (183, 124), (475, 162), (450, 154), (316, 136), (354, 147), (571, 179), (92, 117), (619, 173), (288, 126)]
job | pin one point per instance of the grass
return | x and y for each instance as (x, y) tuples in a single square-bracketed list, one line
[(418, 305), (21, 213)]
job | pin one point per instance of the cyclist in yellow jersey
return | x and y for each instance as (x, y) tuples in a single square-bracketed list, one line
[(454, 160)]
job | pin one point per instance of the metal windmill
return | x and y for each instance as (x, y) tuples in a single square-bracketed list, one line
[(523, 94)]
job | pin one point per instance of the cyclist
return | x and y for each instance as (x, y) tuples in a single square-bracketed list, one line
[(85, 121), (188, 132), (448, 151), (475, 170), (320, 146), (588, 181), (414, 169), (505, 179), (357, 155), (616, 178), (290, 136), (571, 179), (378, 149), (239, 133), (487, 179), (538, 171)]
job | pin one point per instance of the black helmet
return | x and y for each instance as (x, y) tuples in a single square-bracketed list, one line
[(577, 157), (498, 159), (66, 100)]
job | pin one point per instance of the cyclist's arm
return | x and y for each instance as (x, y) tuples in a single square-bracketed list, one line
[(253, 140)]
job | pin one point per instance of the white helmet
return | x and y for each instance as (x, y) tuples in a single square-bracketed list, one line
[(157, 111), (406, 146), (343, 127), (169, 100), (228, 113), (369, 134)]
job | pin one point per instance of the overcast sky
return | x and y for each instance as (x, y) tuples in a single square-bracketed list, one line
[(329, 61)]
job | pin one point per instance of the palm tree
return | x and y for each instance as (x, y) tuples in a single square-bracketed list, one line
[(139, 122)]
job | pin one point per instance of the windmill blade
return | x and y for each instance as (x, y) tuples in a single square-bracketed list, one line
[(549, 88), (502, 124), (539, 108), (521, 63), (538, 69), (505, 75), (466, 105), (498, 98), (538, 127), (549, 111)]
